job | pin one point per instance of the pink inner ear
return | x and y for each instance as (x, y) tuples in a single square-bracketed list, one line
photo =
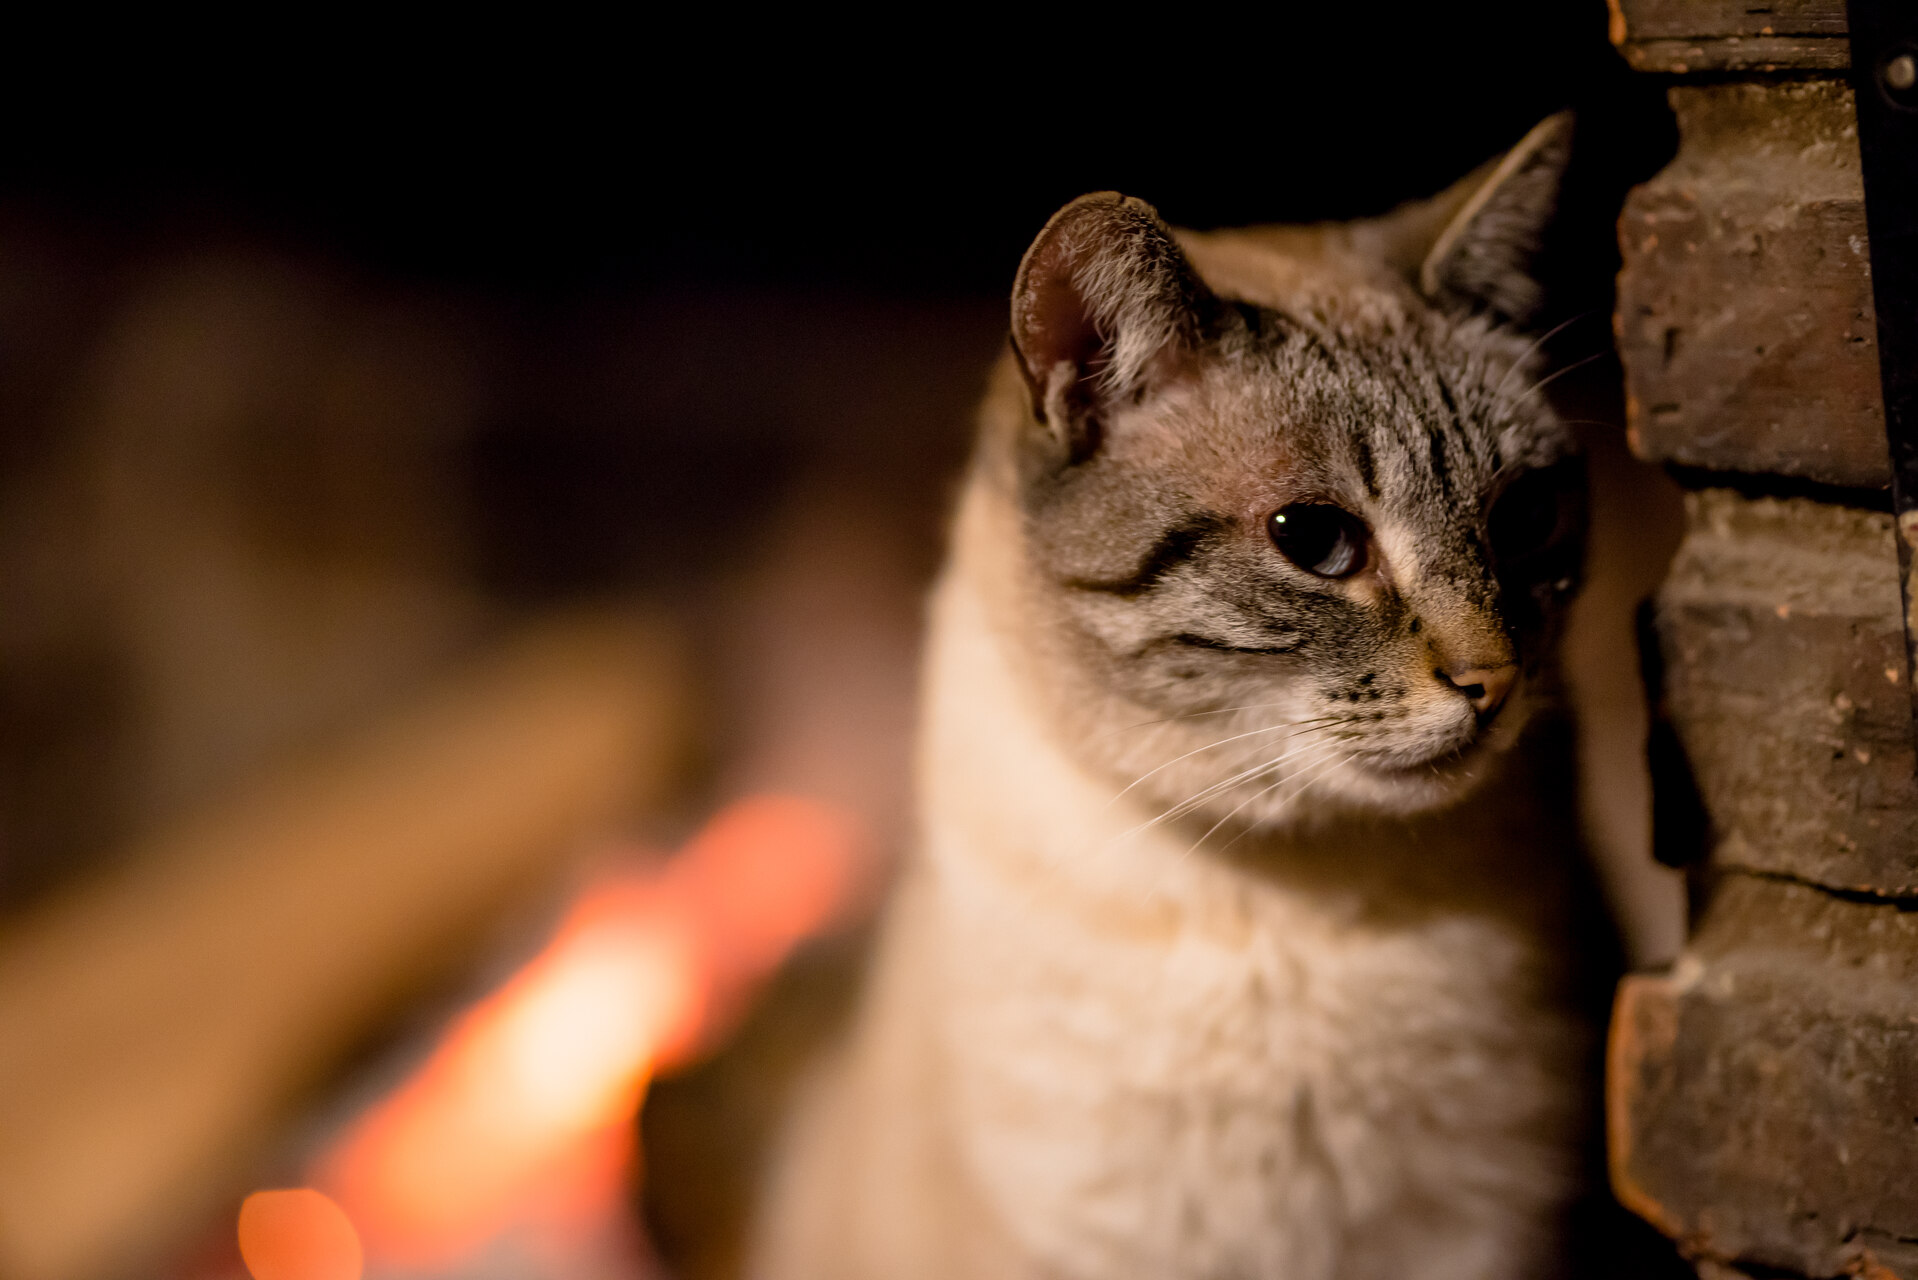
[(1054, 323)]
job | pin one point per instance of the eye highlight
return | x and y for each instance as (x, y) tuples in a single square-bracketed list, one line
[(1320, 538)]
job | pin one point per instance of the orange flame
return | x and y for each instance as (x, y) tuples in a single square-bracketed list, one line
[(524, 1113)]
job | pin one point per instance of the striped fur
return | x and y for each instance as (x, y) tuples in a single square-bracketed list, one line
[(1149, 587)]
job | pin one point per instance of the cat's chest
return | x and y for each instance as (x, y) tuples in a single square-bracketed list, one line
[(1243, 1089), (1159, 1061), (1233, 986)]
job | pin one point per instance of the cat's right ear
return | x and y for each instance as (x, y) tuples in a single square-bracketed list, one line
[(1105, 306), (1480, 244)]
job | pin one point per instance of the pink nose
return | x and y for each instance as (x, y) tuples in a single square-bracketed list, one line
[(1487, 687)]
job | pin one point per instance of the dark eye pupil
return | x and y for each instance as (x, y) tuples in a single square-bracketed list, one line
[(1321, 539)]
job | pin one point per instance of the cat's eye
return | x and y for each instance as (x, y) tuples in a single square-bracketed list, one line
[(1319, 538), (1533, 516)]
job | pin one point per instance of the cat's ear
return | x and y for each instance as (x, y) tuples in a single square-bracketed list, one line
[(1105, 305), (1481, 243)]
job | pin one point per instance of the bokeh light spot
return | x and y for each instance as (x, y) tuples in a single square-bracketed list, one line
[(297, 1234)]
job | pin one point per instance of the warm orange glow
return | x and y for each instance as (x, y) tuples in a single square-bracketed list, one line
[(525, 1111), (297, 1235)]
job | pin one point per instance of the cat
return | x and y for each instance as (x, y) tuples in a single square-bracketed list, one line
[(1235, 940)]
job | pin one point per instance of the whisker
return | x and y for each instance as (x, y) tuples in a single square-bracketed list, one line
[(1555, 375), (1192, 802), (1615, 425), (1205, 793), (1193, 715), (1302, 726), (1303, 788), (1538, 342), (1321, 765)]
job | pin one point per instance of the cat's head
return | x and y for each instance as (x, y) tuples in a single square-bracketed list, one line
[(1298, 527)]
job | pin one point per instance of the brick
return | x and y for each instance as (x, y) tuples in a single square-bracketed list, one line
[(1681, 36), (1745, 317), (1763, 1097), (1785, 683)]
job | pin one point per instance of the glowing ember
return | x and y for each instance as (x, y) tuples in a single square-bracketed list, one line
[(297, 1235), (524, 1113)]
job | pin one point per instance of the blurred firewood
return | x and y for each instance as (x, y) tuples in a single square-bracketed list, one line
[(233, 517), (158, 1021)]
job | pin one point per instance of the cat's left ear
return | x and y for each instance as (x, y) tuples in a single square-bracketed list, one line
[(1105, 309), (1480, 244)]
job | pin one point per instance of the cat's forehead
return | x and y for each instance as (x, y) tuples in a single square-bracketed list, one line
[(1372, 396)]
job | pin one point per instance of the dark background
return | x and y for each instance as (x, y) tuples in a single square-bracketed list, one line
[(665, 281), (912, 153)]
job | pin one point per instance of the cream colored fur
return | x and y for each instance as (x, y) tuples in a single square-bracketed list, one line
[(1094, 1054)]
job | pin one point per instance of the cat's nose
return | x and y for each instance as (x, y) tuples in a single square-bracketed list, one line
[(1486, 687)]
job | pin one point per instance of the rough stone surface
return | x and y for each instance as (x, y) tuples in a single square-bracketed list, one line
[(1764, 1096), (1785, 681), (1745, 317), (1680, 36)]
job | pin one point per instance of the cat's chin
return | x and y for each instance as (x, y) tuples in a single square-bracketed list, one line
[(1395, 784), (1384, 787), (1363, 788), (1410, 781)]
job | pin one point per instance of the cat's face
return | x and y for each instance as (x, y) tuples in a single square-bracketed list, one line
[(1286, 554)]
